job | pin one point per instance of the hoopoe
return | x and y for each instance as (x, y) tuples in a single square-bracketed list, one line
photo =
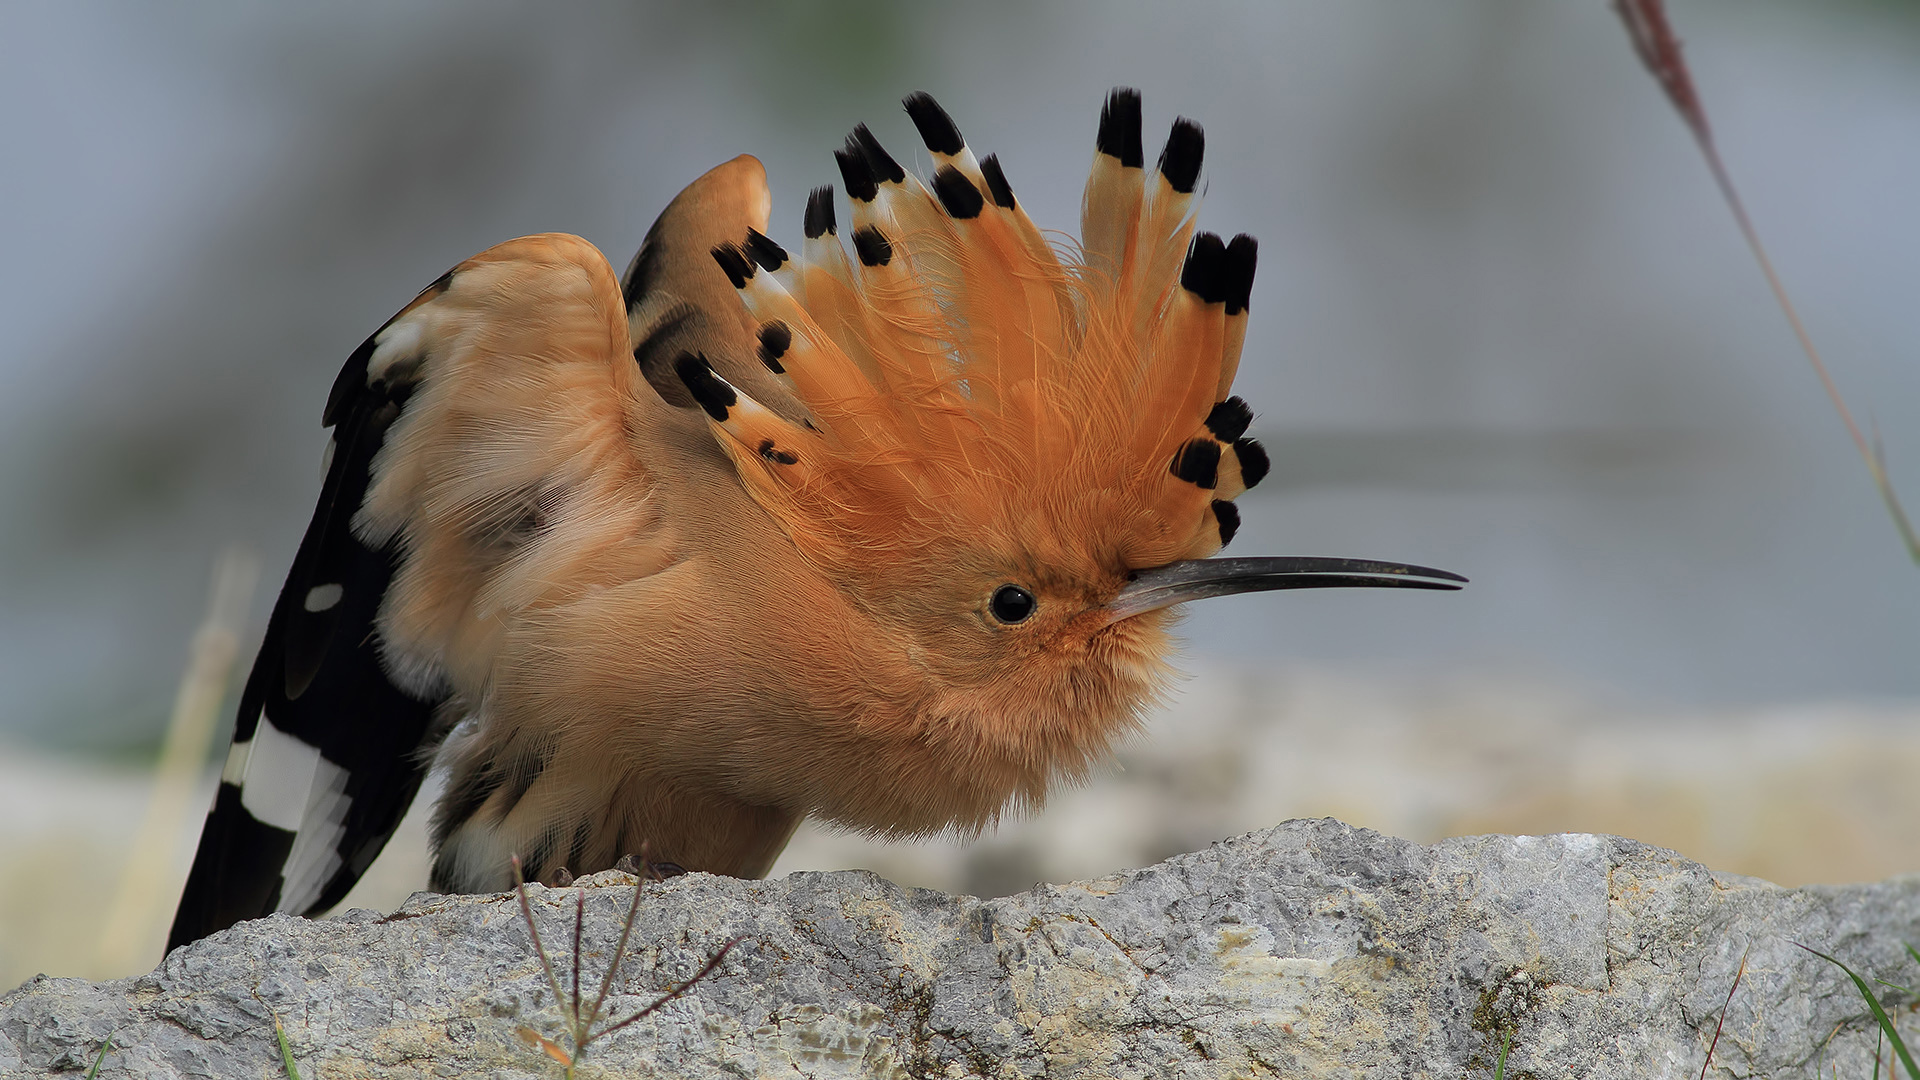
[(675, 561)]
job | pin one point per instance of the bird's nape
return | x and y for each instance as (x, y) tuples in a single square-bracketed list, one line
[(1202, 579)]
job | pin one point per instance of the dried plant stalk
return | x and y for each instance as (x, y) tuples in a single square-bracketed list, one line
[(135, 927), (584, 1022), (1659, 49)]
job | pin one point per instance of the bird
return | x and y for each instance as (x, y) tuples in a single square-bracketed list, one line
[(671, 561)]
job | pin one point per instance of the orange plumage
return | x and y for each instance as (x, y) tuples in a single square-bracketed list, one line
[(674, 562)]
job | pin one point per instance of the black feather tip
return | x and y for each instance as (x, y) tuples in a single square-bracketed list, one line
[(856, 174), (735, 262), (1120, 128), (1204, 274), (1180, 161), (1228, 515), (957, 193), (937, 129), (997, 185), (775, 340), (819, 217), (872, 246), (1198, 463), (1242, 255), (763, 250), (776, 455), (710, 390), (885, 169), (1253, 461), (1229, 419)]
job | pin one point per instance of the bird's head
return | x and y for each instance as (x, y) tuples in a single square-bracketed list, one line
[(1014, 454)]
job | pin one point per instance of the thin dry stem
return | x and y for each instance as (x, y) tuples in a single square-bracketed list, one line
[(1720, 1023), (1659, 49), (626, 929), (580, 1027), (539, 948), (676, 991), (135, 928), (579, 924)]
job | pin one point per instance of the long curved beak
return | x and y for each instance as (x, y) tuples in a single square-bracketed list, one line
[(1198, 579)]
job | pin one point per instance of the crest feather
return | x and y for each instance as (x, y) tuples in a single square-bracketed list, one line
[(969, 385)]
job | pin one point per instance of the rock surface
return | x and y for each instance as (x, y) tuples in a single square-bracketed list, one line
[(1311, 949)]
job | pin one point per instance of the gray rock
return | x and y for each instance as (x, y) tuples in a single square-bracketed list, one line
[(1311, 949)]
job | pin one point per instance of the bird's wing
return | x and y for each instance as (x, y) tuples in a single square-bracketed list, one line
[(495, 449)]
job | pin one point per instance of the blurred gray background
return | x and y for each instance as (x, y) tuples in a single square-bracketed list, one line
[(1503, 323)]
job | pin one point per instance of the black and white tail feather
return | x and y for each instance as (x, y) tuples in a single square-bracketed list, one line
[(327, 750)]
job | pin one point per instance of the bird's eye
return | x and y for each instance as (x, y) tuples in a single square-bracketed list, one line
[(1012, 604)]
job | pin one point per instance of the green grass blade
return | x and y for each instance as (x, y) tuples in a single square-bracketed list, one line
[(100, 1057), (286, 1052), (1500, 1066), (1879, 1014)]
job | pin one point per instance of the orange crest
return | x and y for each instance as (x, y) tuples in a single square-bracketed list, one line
[(969, 385)]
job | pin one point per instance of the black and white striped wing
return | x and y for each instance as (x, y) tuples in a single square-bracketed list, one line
[(494, 455), (326, 749)]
